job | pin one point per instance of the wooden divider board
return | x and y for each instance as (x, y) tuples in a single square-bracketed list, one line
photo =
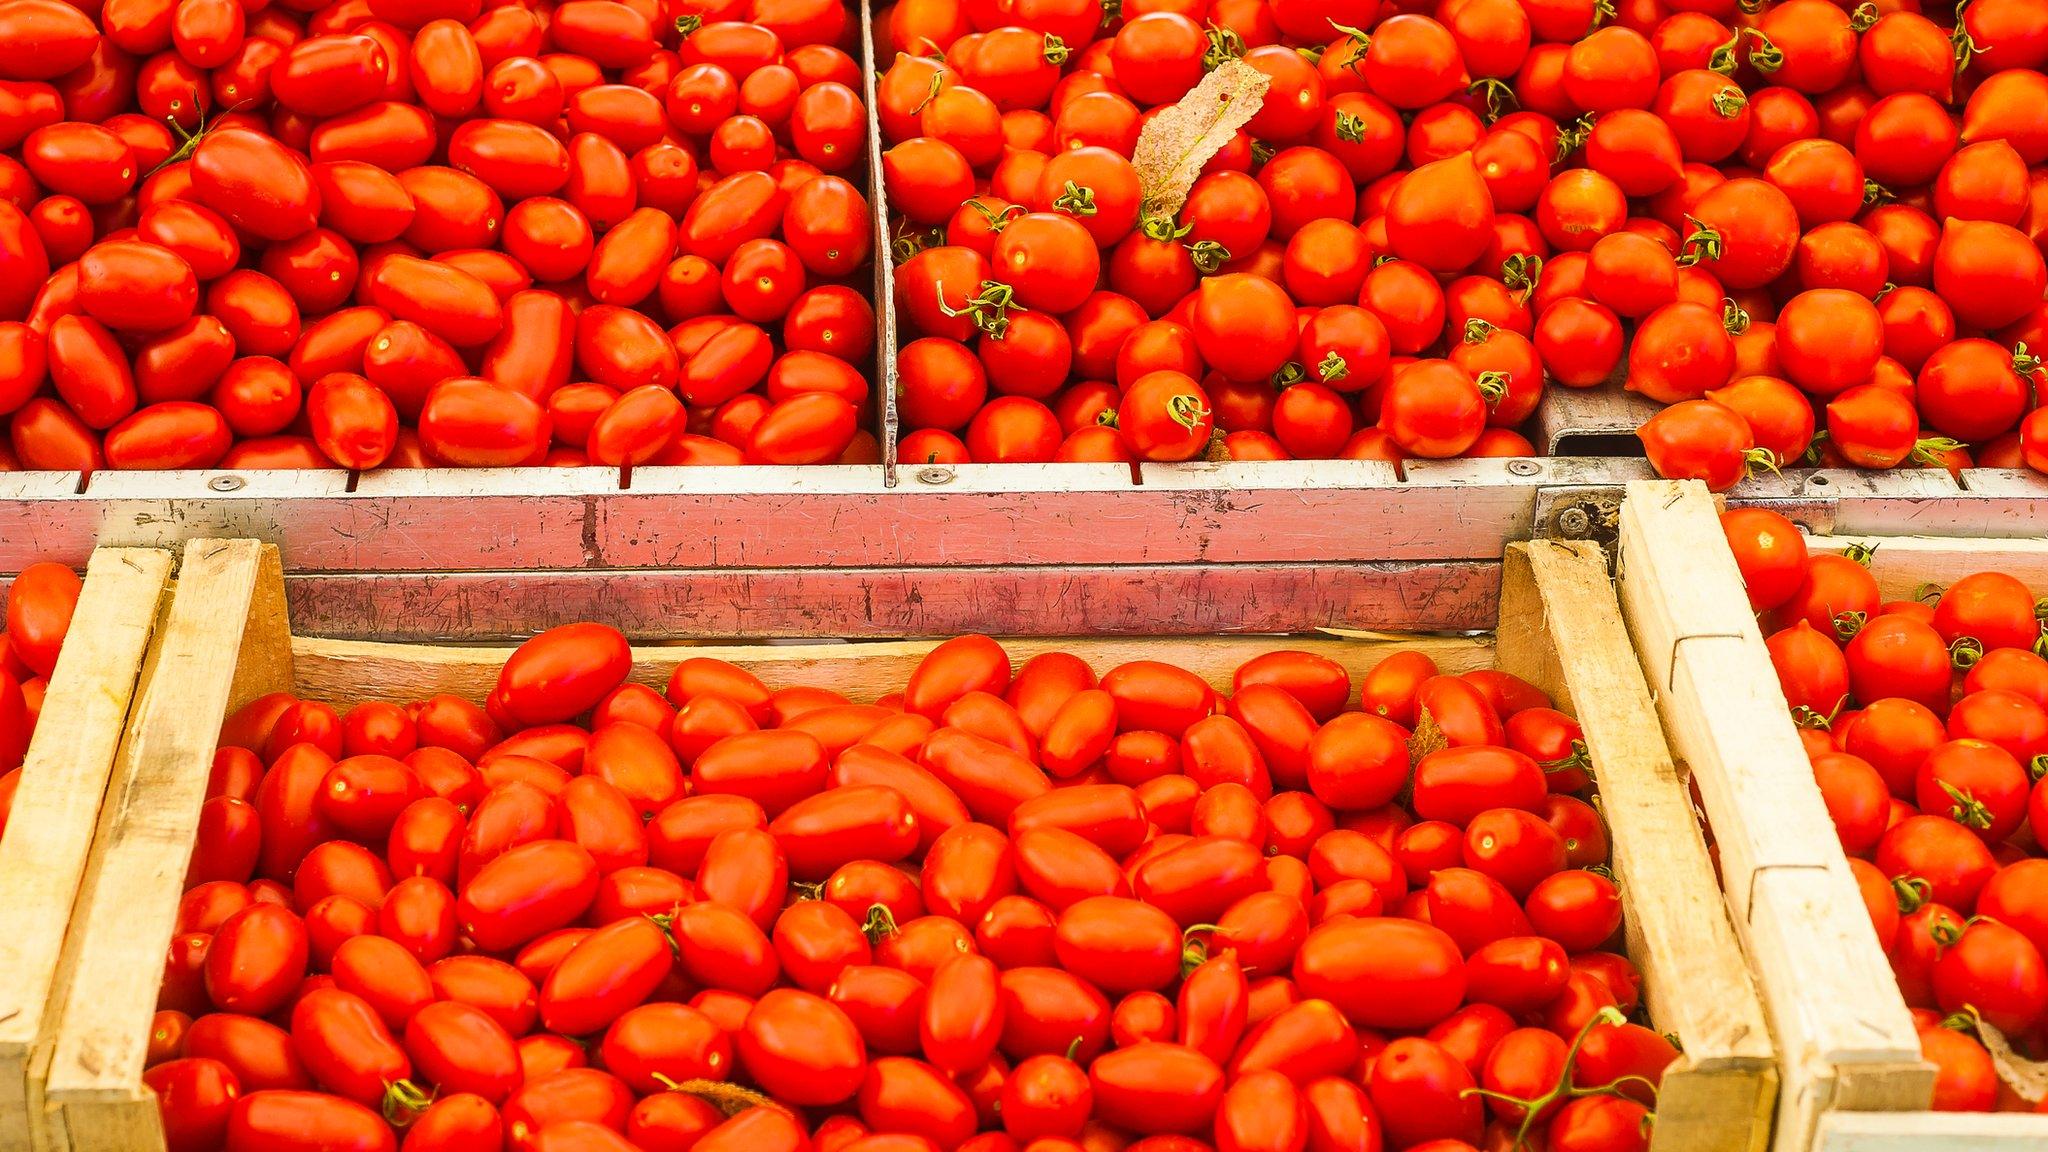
[(223, 642), (1843, 1032), (347, 672), (49, 837), (1718, 1099), (1931, 1132), (1904, 564), (1561, 629)]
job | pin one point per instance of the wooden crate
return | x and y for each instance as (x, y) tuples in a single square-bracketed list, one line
[(1854, 1080), (226, 641), (44, 854)]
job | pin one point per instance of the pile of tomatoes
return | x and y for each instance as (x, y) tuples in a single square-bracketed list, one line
[(997, 910), (1926, 721), (39, 607), (1812, 232), (431, 232)]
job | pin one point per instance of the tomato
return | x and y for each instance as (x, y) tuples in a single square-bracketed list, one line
[(353, 421), (1243, 326), (1433, 408), (256, 183), (296, 1121), (1769, 552), (1701, 440), (1578, 909), (256, 960), (1382, 973), (528, 890), (459, 1120), (566, 1096), (802, 1048), (350, 1052), (1165, 416), (196, 1096), (499, 989), (1975, 783), (1155, 1087), (606, 973)]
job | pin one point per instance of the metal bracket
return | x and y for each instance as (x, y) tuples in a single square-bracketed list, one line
[(1590, 512)]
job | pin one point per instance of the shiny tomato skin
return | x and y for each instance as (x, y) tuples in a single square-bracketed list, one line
[(1456, 784), (608, 972), (963, 1018), (40, 603), (168, 437), (1383, 973), (517, 160), (293, 1121), (660, 1040), (475, 423), (462, 1048), (346, 1046), (196, 1096), (1156, 1087), (802, 1048), (256, 183), (90, 371), (257, 959), (529, 890), (825, 831)]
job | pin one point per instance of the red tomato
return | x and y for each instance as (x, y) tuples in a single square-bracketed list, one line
[(295, 1121), (802, 1048)]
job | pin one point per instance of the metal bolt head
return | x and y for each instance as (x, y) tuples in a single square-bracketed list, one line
[(1521, 467), (935, 474), (1574, 524), (226, 483)]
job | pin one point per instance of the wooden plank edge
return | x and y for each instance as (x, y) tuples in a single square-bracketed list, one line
[(43, 860), (1931, 1132), (1701, 649), (94, 1096), (1716, 1109), (1903, 564)]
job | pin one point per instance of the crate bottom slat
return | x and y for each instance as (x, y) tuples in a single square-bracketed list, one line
[(347, 672), (1931, 1132)]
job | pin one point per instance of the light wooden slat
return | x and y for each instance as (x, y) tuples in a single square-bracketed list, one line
[(224, 639), (1676, 581), (346, 672), (1932, 1132), (1902, 564), (50, 828), (1843, 1033), (884, 296), (1561, 629)]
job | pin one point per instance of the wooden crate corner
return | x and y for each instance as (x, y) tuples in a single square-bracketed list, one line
[(45, 852), (224, 639)]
